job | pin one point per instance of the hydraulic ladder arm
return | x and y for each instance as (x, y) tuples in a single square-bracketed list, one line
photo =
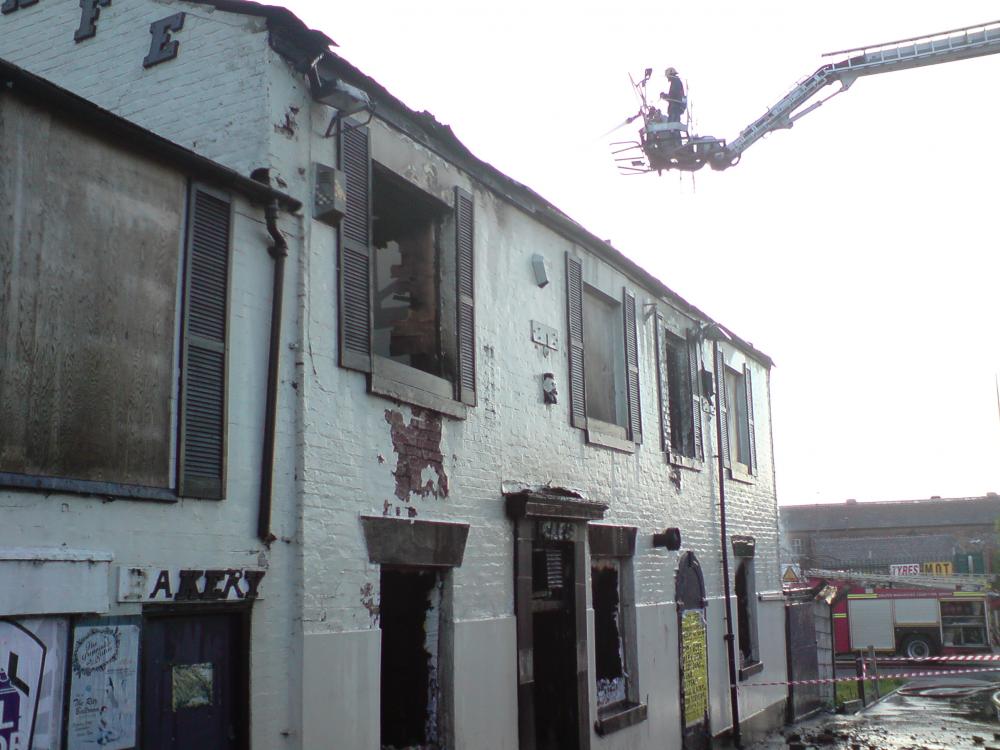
[(902, 54)]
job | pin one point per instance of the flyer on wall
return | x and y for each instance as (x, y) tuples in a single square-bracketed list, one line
[(22, 663), (103, 683)]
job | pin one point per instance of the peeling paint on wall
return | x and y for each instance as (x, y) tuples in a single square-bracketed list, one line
[(368, 602), (288, 126), (420, 463)]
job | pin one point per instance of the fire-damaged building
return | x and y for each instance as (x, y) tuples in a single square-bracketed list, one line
[(319, 432)]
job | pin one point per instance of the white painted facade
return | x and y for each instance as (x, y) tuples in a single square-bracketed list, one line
[(315, 648)]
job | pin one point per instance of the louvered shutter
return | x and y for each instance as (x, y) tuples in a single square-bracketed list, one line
[(663, 384), (632, 367), (693, 350), (466, 310), (574, 312), (750, 426), (720, 376), (355, 251), (201, 465)]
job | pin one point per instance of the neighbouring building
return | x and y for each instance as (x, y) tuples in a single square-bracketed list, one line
[(943, 536), (377, 449)]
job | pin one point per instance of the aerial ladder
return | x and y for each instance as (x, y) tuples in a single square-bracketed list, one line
[(665, 146)]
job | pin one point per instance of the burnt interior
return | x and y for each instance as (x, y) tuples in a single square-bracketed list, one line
[(743, 614), (405, 310), (408, 667), (609, 670), (555, 647), (679, 387)]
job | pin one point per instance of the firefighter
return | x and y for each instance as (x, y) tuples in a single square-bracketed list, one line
[(674, 96)]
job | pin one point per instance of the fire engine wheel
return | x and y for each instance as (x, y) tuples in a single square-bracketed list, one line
[(918, 647)]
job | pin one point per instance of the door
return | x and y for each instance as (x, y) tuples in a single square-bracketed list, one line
[(803, 659), (692, 644), (194, 682)]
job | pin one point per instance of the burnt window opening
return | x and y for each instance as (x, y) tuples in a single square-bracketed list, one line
[(739, 419), (746, 613), (410, 618), (609, 646), (406, 309), (604, 359), (682, 432)]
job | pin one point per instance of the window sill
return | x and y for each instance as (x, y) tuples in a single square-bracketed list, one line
[(741, 475), (612, 718), (608, 435), (692, 464), (110, 490), (411, 386), (751, 669)]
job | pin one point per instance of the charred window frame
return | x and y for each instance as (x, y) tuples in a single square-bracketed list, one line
[(603, 358), (746, 618), (612, 583), (196, 422), (679, 384), (406, 283), (739, 450)]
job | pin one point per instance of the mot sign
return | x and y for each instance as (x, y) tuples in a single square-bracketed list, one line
[(905, 569)]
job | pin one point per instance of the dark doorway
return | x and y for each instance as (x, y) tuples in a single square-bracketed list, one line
[(554, 658), (410, 617), (194, 682)]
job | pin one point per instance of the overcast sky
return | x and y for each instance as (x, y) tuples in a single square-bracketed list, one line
[(859, 249)]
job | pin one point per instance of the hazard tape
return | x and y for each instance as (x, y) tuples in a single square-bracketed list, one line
[(866, 677)]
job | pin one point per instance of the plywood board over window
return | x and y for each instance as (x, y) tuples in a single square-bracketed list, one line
[(88, 309)]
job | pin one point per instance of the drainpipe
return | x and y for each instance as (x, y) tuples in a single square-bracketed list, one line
[(278, 251), (730, 638)]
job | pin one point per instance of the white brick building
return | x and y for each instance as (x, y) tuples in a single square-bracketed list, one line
[(452, 557)]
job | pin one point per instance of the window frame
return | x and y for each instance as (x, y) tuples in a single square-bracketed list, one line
[(668, 331), (581, 275), (754, 664), (614, 547), (738, 364), (181, 486), (450, 395)]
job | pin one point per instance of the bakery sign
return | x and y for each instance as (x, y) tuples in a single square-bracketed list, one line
[(162, 47), (188, 585)]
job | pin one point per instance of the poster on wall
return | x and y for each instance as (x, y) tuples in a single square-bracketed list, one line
[(104, 671), (694, 657), (53, 632), (22, 662)]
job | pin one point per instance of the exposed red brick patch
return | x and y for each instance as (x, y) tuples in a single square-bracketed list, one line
[(418, 448)]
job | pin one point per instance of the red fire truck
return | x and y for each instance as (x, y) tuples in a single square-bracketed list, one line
[(913, 622)]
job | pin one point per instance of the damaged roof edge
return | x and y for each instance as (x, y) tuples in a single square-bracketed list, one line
[(289, 35), (15, 81), (428, 132)]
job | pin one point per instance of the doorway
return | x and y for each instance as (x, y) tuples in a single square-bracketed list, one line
[(692, 645), (195, 683)]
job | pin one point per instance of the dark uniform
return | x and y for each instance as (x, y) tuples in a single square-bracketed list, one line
[(676, 103)]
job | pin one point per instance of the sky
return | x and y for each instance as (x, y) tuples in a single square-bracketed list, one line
[(858, 249)]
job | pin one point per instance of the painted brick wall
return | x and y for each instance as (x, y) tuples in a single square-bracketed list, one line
[(211, 98)]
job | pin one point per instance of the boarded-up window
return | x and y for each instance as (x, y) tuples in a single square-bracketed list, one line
[(90, 254)]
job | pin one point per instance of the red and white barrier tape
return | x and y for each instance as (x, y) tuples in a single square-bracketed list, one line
[(868, 676)]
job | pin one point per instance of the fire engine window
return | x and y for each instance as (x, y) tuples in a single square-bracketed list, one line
[(406, 299), (604, 358), (746, 612), (409, 613)]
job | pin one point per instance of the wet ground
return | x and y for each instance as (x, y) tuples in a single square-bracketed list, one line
[(931, 714)]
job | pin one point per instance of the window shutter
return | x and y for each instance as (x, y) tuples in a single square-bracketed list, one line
[(202, 450), (663, 384), (720, 376), (466, 310), (355, 251), (574, 308), (632, 367), (693, 351), (750, 427)]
